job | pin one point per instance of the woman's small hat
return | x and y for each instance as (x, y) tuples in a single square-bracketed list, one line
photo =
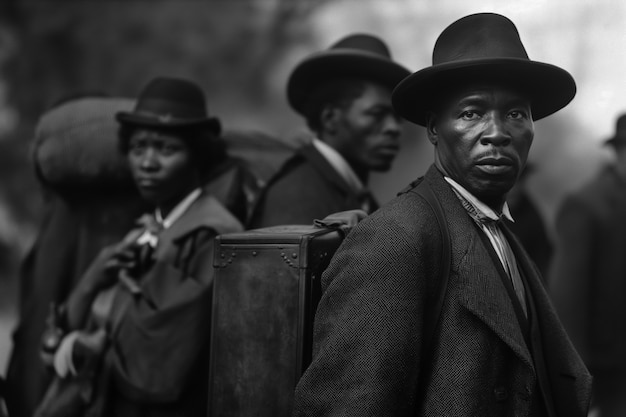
[(357, 55), (483, 47), (170, 103)]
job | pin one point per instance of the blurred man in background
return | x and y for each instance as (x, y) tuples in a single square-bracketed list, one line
[(344, 93), (588, 276)]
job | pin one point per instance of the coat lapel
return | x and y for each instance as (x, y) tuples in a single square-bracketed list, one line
[(564, 371), (206, 211), (477, 275), (325, 169)]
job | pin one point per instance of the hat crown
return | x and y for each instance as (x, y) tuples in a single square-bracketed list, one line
[(172, 98), (479, 36), (620, 131), (363, 43), (358, 56), (620, 125)]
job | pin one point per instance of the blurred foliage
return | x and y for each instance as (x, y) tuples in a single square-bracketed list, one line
[(66, 48)]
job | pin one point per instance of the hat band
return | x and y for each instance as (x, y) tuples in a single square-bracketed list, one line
[(160, 108)]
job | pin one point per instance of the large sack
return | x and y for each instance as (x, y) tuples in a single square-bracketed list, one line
[(261, 153), (76, 144)]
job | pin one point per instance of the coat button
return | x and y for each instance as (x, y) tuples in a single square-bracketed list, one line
[(500, 393)]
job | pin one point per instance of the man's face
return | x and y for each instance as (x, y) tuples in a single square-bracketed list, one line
[(482, 135), (161, 165), (367, 130)]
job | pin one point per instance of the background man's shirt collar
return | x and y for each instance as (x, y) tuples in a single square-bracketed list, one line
[(338, 162)]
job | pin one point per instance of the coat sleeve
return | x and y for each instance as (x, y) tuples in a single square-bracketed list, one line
[(157, 347), (368, 326), (569, 284)]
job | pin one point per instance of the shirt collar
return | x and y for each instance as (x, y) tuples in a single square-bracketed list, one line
[(476, 207), (178, 210), (340, 164)]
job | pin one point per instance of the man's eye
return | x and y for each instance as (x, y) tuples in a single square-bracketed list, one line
[(378, 114), (516, 114), (136, 146), (469, 115)]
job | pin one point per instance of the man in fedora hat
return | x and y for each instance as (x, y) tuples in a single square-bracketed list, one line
[(131, 338), (588, 275), (431, 306), (344, 93)]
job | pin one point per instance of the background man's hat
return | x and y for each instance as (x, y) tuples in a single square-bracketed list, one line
[(484, 46), (358, 55), (620, 132), (170, 103)]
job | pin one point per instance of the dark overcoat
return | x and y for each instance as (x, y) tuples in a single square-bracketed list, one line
[(588, 277), (306, 188), (368, 357)]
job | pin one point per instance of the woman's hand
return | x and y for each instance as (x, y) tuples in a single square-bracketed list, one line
[(123, 257), (105, 270)]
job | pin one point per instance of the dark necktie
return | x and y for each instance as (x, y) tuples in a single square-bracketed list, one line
[(505, 252)]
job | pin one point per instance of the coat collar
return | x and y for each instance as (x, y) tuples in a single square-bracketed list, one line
[(325, 169), (339, 163), (205, 211)]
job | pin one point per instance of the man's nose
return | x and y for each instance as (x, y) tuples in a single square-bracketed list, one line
[(392, 125), (496, 132), (149, 160)]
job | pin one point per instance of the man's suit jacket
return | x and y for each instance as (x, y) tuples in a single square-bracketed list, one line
[(306, 188), (368, 332)]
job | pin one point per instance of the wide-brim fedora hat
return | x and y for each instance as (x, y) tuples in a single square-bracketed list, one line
[(483, 47), (357, 55), (619, 137), (170, 103)]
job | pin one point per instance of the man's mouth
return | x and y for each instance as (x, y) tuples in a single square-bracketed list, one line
[(495, 165)]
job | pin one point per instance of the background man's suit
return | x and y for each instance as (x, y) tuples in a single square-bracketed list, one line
[(306, 188)]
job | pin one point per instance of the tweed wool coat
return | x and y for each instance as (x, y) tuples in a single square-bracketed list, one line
[(306, 188), (369, 326)]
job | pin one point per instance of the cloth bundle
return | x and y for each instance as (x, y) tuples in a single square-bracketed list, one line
[(76, 144)]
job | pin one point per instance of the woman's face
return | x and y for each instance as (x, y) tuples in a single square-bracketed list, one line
[(162, 166)]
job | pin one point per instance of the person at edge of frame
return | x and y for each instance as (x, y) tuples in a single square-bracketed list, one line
[(587, 282), (497, 347)]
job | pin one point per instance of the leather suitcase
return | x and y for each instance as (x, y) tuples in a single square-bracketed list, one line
[(267, 286)]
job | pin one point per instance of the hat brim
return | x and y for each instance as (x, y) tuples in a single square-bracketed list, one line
[(548, 87), (137, 119), (615, 140), (340, 63)]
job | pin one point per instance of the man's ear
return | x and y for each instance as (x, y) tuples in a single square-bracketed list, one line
[(329, 118), (431, 128)]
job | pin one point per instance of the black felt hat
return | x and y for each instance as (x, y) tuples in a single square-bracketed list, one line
[(358, 55), (170, 103), (483, 46), (619, 137)]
